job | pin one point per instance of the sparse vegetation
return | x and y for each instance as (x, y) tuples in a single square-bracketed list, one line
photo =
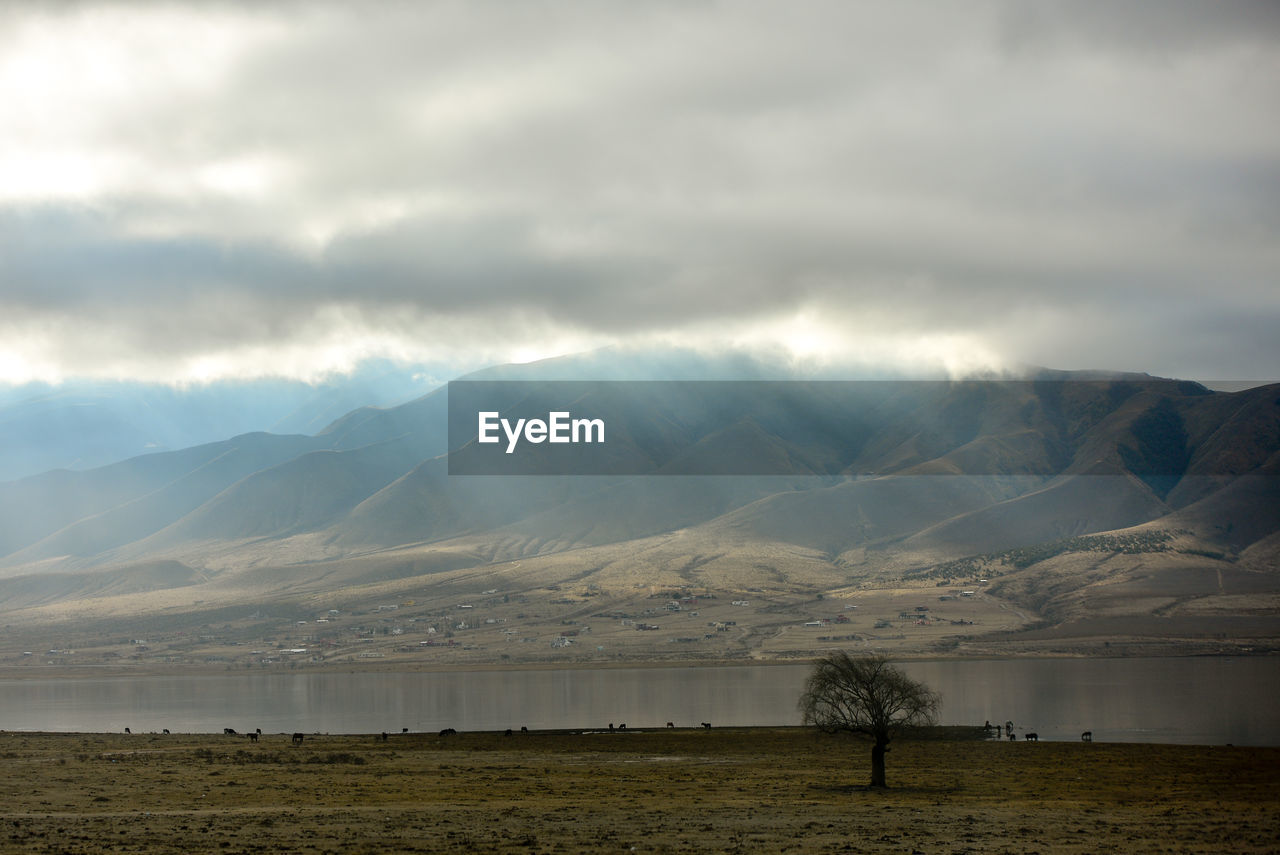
[(690, 790), (868, 697), (994, 563)]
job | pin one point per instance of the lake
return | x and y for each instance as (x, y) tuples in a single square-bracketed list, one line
[(1174, 700)]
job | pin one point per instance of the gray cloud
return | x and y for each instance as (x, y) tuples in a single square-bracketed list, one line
[(1080, 185)]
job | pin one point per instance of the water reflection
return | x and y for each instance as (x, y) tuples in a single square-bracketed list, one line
[(1201, 700)]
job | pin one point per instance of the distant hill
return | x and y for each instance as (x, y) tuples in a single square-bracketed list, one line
[(910, 481), (84, 424)]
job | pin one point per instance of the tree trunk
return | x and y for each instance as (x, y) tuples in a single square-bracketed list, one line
[(877, 762)]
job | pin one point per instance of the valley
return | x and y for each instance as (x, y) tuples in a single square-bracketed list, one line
[(1067, 515), (610, 606)]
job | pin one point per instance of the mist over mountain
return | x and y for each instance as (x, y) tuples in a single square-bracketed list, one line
[(86, 424), (1117, 475)]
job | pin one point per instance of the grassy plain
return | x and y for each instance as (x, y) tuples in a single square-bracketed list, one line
[(721, 790)]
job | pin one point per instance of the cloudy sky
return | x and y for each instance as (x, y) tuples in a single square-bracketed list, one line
[(205, 190)]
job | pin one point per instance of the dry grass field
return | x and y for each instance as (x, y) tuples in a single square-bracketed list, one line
[(730, 790)]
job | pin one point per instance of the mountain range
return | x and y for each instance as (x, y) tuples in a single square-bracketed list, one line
[(1096, 502), (84, 424)]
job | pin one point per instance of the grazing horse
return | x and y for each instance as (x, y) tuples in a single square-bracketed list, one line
[(229, 731), (166, 730), (507, 732), (127, 730), (448, 731), (671, 724), (297, 738), (706, 725), (1013, 737), (1087, 736), (1032, 737), (622, 726), (253, 737), (524, 729), (404, 730)]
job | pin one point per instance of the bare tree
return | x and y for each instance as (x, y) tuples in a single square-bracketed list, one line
[(866, 696)]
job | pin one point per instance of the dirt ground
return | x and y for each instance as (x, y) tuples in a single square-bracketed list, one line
[(721, 790)]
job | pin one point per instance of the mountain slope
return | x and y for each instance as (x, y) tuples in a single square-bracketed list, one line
[(811, 484), (139, 517), (85, 424), (303, 493)]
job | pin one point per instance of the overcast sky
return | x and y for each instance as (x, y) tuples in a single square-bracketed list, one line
[(207, 190)]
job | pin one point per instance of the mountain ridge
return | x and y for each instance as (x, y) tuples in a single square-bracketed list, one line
[(957, 472)]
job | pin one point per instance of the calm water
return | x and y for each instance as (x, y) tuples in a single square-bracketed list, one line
[(1200, 700)]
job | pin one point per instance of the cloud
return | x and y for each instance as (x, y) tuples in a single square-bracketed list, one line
[(1080, 185)]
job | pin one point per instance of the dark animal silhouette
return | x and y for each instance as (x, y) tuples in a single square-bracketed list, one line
[(1013, 737), (622, 726), (383, 736), (671, 724), (229, 731), (611, 727), (524, 729), (1087, 736), (448, 731), (166, 730), (507, 732), (127, 730), (706, 725), (253, 737), (1032, 737), (297, 738), (404, 730)]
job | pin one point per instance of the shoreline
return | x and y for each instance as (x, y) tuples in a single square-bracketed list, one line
[(17, 673), (933, 733)]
